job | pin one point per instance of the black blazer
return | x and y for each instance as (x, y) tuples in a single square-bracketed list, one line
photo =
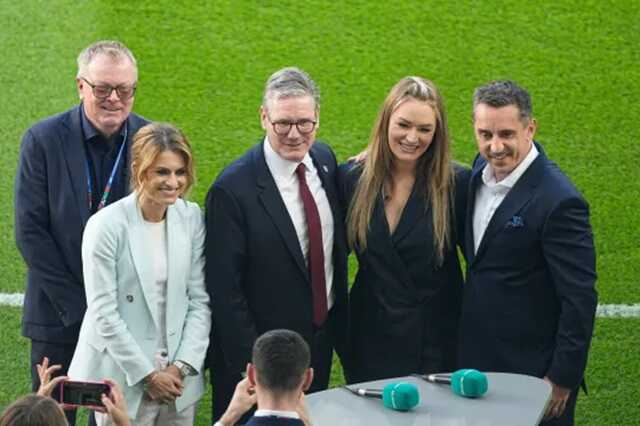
[(51, 211), (404, 308), (255, 270), (530, 298)]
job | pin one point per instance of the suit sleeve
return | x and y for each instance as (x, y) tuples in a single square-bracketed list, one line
[(99, 252), (226, 256), (570, 255), (34, 238), (197, 324)]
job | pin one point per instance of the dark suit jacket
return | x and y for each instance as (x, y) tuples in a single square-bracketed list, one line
[(256, 274), (51, 211), (530, 299), (273, 421), (404, 308)]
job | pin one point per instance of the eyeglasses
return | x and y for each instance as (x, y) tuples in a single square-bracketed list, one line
[(283, 128), (103, 91)]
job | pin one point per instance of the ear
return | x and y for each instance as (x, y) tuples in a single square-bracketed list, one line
[(308, 378), (251, 374), (264, 120), (531, 128), (79, 85)]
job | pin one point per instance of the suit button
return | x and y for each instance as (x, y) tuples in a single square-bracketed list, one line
[(129, 298)]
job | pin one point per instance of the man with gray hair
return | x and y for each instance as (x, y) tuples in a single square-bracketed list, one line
[(70, 166), (529, 301), (276, 249)]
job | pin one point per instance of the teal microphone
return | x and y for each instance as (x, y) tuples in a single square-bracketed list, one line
[(467, 382), (399, 396)]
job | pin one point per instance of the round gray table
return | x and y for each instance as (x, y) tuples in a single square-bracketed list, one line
[(512, 399)]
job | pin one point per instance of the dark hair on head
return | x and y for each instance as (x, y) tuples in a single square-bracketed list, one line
[(501, 93), (33, 410), (281, 358)]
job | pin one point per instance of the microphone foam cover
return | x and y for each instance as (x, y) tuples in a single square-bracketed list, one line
[(401, 396), (469, 383)]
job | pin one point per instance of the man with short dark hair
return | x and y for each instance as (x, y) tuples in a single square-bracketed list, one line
[(70, 166), (276, 379), (276, 252), (530, 300)]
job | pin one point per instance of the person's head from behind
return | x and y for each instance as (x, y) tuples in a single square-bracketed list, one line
[(503, 124), (280, 364), (162, 166), (33, 410), (106, 81), (290, 113)]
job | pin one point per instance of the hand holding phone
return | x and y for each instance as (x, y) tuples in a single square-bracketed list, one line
[(83, 394)]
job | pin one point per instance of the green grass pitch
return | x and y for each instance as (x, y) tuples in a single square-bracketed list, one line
[(203, 65)]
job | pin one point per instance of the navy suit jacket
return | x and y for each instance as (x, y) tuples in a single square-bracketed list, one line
[(51, 211), (529, 301), (255, 271)]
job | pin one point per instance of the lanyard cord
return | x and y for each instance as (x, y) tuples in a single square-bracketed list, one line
[(107, 188)]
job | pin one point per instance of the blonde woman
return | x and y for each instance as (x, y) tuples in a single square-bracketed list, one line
[(403, 204), (148, 318)]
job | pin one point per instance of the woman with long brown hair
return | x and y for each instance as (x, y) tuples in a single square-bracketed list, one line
[(404, 203)]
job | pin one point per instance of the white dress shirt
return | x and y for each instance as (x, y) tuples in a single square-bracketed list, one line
[(284, 174), (490, 194)]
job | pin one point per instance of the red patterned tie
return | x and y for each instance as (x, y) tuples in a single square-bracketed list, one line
[(316, 250)]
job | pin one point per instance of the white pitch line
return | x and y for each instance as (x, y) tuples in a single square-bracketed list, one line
[(11, 299), (603, 311)]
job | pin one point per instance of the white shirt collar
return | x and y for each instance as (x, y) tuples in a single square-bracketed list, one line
[(280, 167), (489, 178), (277, 413)]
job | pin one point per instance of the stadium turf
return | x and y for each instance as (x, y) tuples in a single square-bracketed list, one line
[(203, 65)]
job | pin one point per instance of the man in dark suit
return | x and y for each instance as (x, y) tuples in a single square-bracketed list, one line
[(530, 299), (276, 249), (71, 165), (276, 379)]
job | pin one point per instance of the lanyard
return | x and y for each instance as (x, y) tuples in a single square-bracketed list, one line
[(107, 188)]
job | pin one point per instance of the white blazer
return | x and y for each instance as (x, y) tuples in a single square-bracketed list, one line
[(118, 338)]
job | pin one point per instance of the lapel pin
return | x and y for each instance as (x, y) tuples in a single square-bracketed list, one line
[(129, 298), (515, 222), (325, 168)]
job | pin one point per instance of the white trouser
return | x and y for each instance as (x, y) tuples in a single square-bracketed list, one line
[(152, 413)]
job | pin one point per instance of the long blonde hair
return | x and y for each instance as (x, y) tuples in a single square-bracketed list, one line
[(434, 168)]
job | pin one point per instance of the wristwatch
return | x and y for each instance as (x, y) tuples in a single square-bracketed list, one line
[(184, 369)]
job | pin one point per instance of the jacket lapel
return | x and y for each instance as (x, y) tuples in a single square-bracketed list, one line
[(74, 154), (178, 246), (413, 210), (515, 200), (138, 243), (469, 245), (273, 204)]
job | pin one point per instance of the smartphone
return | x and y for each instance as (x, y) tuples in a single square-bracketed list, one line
[(83, 394)]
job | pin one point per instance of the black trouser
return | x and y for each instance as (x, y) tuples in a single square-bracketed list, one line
[(224, 383), (58, 353)]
